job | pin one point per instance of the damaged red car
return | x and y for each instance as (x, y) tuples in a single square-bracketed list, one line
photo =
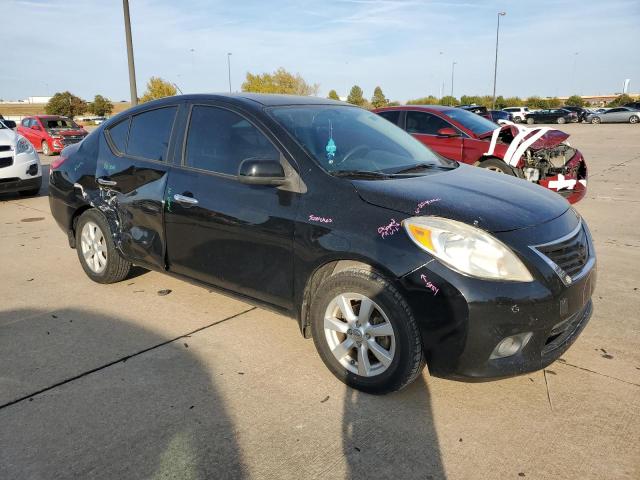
[(540, 155)]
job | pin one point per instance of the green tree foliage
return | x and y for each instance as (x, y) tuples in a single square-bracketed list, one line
[(449, 101), (620, 100), (500, 103), (428, 100), (535, 102), (333, 95), (356, 96), (279, 81), (100, 106), (574, 101), (65, 104), (158, 88), (393, 103), (553, 102), (378, 100), (513, 102)]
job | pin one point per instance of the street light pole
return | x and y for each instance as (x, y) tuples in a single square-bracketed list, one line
[(229, 69), (132, 68), (495, 69), (453, 67)]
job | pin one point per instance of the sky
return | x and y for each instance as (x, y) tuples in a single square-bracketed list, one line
[(547, 47)]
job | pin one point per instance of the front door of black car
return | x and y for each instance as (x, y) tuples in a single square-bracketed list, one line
[(131, 176), (221, 231)]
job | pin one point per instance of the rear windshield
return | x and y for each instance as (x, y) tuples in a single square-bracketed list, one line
[(471, 121)]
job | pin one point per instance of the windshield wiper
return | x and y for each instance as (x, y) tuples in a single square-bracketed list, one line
[(359, 174), (417, 167)]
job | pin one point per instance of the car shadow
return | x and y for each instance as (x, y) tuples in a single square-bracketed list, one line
[(112, 412), (391, 436)]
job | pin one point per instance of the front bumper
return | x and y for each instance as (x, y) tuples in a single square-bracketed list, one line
[(463, 323), (24, 172)]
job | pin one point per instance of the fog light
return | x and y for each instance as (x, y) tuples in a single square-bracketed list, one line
[(510, 345), (33, 169)]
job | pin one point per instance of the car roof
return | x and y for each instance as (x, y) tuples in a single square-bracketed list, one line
[(264, 99), (439, 108)]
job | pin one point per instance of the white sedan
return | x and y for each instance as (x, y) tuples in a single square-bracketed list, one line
[(20, 169)]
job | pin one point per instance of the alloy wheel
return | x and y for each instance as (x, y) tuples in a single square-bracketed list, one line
[(359, 334), (94, 247)]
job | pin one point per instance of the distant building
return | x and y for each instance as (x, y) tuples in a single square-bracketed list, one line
[(37, 99), (599, 100)]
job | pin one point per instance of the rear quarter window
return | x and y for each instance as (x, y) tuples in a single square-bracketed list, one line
[(392, 115), (118, 135)]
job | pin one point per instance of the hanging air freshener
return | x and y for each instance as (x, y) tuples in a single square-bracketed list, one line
[(331, 145)]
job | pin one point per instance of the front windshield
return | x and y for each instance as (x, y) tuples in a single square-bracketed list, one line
[(52, 123), (471, 121), (342, 139)]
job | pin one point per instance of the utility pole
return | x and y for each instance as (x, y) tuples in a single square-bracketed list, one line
[(132, 68), (453, 68), (229, 69), (495, 69)]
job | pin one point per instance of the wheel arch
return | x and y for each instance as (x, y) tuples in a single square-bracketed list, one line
[(73, 223), (325, 270)]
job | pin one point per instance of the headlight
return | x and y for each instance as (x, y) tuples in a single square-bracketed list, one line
[(23, 146), (466, 249)]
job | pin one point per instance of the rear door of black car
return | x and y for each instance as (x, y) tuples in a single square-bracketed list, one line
[(131, 176), (221, 231)]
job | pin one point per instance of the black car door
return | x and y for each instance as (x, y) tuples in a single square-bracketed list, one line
[(131, 176), (221, 231)]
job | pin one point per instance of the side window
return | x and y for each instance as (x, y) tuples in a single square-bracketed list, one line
[(150, 132), (425, 123), (119, 133), (218, 140), (614, 110), (392, 115), (25, 122)]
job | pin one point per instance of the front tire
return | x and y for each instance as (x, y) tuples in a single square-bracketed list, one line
[(634, 119), (97, 253), (498, 166), (561, 120), (365, 332), (595, 120), (46, 151), (530, 121)]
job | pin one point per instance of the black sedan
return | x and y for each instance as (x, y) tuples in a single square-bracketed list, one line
[(388, 255), (554, 115)]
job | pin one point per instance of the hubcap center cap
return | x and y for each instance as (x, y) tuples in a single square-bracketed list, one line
[(357, 334)]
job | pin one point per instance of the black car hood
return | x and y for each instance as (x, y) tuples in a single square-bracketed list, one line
[(494, 202)]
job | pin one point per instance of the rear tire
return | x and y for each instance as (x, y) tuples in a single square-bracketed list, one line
[(530, 121), (561, 120), (634, 119), (97, 253), (378, 350), (498, 166), (46, 151)]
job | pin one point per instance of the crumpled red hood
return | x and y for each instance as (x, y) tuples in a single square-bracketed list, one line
[(551, 139)]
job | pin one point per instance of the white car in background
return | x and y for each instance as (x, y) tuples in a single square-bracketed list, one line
[(518, 113), (20, 169)]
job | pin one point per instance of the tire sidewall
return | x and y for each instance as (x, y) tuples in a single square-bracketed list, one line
[(99, 219), (45, 148), (496, 162), (399, 314), (634, 119)]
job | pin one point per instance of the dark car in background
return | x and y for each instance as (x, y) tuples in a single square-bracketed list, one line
[(387, 254), (51, 133), (553, 115), (635, 105), (579, 111), (493, 115)]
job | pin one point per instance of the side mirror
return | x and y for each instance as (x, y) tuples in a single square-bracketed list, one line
[(261, 171), (448, 132), (36, 127)]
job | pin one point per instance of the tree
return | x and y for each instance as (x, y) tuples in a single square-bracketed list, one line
[(449, 101), (356, 96), (620, 100), (158, 88), (535, 102), (279, 81), (379, 100), (429, 100), (100, 106), (553, 102), (333, 95), (513, 102), (574, 101), (65, 104)]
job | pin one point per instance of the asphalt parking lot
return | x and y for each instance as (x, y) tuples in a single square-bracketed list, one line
[(117, 381)]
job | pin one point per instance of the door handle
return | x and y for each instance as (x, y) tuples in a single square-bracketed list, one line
[(184, 200), (107, 183)]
